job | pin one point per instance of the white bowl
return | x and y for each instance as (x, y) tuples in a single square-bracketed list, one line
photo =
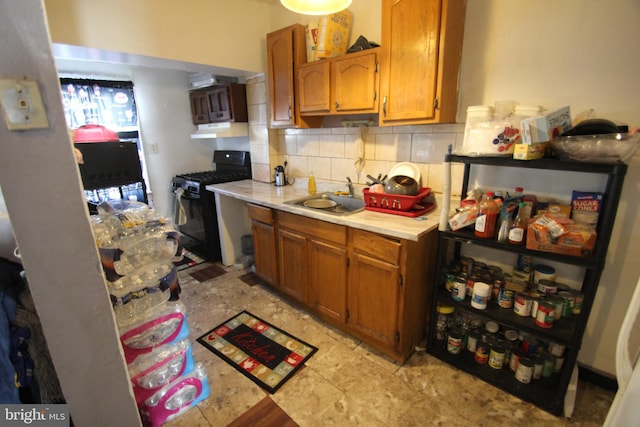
[(406, 169), (606, 148)]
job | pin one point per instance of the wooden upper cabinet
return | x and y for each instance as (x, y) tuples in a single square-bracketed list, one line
[(420, 61), (314, 87), (341, 85), (286, 51), (354, 88), (199, 107), (228, 103), (222, 103)]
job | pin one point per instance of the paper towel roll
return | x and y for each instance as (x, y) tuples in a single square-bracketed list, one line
[(446, 192)]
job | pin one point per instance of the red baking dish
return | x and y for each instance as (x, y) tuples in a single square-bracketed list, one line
[(393, 202)]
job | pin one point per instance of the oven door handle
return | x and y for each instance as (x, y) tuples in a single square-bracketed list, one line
[(180, 215)]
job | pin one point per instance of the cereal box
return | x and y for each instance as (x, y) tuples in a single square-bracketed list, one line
[(585, 207), (544, 128), (312, 40), (333, 34)]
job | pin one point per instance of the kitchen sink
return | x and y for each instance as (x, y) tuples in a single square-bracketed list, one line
[(344, 205)]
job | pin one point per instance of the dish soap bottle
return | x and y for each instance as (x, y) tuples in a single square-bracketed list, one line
[(311, 185)]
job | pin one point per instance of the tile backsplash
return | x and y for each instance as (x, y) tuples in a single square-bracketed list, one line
[(330, 152)]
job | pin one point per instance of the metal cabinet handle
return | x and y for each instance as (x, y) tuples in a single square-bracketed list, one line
[(384, 106), (289, 111), (337, 105)]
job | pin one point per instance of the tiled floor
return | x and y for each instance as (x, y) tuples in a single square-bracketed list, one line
[(346, 383)]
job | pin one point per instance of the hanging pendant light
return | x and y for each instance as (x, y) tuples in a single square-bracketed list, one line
[(316, 7)]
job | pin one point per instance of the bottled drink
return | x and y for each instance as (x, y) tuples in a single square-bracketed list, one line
[(519, 193), (485, 226), (518, 228), (311, 185)]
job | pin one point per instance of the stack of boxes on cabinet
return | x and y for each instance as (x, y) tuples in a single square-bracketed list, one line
[(137, 250)]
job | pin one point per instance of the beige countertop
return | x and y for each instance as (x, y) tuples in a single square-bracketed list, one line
[(275, 197)]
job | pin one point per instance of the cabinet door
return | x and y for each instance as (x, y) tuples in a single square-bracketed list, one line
[(199, 107), (219, 109), (374, 295), (313, 87), (354, 83), (293, 264), (264, 242), (328, 280), (419, 65)]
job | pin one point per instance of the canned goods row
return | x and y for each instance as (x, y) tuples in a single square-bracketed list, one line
[(486, 283), (527, 364)]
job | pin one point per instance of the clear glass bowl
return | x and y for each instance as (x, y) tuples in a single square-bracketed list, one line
[(607, 148)]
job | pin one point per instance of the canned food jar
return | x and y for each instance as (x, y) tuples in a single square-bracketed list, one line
[(480, 296), (545, 315), (556, 349), (524, 371), (505, 299), (496, 357), (568, 303), (522, 305), (544, 272), (516, 355), (459, 289), (492, 327), (498, 283), (538, 365), (444, 321), (577, 302), (471, 281), (454, 342), (558, 303), (534, 306), (549, 365), (547, 287), (472, 341), (481, 355)]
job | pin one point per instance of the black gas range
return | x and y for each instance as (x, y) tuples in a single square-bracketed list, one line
[(195, 215)]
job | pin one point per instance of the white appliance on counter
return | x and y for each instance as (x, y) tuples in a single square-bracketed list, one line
[(624, 410)]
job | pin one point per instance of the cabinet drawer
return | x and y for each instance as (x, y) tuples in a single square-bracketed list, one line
[(260, 213), (377, 246), (313, 227)]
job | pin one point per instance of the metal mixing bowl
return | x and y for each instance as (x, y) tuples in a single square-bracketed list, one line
[(403, 185)]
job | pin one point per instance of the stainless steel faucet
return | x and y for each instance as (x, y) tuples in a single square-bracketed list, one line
[(350, 186)]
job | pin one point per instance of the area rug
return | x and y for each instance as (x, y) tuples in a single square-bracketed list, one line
[(189, 259), (263, 353), (264, 414), (208, 273), (250, 279)]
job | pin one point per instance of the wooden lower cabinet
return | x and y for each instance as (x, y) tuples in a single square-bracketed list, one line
[(374, 287), (264, 243), (374, 292), (292, 257), (328, 280)]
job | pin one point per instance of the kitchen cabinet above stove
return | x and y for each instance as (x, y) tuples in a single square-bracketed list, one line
[(219, 104)]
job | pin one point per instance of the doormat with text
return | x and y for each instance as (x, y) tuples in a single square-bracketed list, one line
[(263, 353)]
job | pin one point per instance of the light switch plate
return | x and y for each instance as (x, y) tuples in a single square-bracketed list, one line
[(22, 104)]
